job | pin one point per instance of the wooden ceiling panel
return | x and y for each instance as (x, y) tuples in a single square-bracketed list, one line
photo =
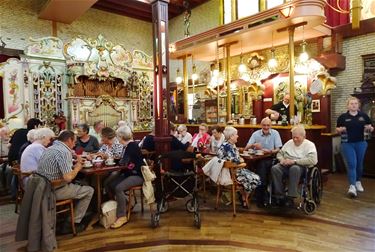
[(142, 9)]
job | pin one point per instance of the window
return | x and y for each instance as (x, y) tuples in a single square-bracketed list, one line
[(247, 8), (237, 9)]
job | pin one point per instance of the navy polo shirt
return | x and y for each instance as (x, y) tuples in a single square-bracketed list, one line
[(282, 110), (354, 125)]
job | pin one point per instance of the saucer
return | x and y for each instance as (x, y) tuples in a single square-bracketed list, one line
[(110, 164), (245, 155), (259, 153), (87, 166)]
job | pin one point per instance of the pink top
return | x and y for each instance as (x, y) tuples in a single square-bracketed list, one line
[(202, 142)]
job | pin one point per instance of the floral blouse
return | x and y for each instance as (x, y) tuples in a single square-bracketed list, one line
[(229, 152), (114, 151)]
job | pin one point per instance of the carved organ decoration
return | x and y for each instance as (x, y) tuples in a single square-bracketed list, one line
[(47, 92), (106, 82), (12, 74), (145, 102)]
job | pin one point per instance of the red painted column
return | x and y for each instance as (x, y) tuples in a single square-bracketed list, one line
[(258, 109), (161, 83), (325, 107)]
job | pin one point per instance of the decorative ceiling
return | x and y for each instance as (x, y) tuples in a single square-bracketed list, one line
[(142, 9)]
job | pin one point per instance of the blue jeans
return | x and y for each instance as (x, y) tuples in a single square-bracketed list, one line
[(354, 154)]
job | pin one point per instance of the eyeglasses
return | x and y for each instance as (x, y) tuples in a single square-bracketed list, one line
[(267, 125), (202, 128)]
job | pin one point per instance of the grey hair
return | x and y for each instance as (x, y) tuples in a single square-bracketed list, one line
[(265, 119), (298, 130), (182, 127), (229, 131), (125, 133), (31, 135), (43, 133)]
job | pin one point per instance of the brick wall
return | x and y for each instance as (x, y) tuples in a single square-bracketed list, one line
[(19, 21), (347, 80)]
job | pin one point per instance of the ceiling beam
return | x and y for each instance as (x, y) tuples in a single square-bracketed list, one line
[(123, 12)]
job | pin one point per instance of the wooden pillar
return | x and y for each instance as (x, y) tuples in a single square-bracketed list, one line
[(228, 80), (186, 88), (291, 70)]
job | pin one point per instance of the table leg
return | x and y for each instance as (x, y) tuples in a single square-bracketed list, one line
[(99, 193), (95, 218)]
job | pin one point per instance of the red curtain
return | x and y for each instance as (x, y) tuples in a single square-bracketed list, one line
[(335, 18)]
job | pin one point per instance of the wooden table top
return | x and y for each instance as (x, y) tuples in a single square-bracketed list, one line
[(102, 169)]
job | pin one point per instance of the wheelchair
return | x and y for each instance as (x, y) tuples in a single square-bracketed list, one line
[(180, 181), (310, 188)]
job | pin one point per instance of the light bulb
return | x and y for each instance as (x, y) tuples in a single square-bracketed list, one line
[(194, 76), (272, 63), (303, 57), (242, 68), (215, 72), (178, 79)]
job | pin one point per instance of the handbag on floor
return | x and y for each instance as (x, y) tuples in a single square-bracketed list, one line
[(108, 215)]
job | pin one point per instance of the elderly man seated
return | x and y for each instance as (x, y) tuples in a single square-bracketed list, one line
[(293, 157), (56, 163), (269, 141)]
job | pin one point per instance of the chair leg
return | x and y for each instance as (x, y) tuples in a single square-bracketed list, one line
[(234, 198), (72, 218), (131, 194), (217, 197), (142, 200), (204, 188)]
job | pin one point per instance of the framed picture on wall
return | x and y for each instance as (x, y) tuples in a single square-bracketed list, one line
[(315, 106)]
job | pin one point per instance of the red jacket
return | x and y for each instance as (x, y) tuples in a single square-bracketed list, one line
[(203, 142)]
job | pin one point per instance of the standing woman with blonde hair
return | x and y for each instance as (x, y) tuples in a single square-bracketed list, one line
[(352, 125)]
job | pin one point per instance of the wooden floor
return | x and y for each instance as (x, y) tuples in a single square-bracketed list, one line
[(340, 224)]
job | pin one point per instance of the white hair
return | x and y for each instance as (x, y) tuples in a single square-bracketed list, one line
[(298, 130), (42, 133), (229, 131), (182, 127), (31, 135), (121, 123), (124, 132)]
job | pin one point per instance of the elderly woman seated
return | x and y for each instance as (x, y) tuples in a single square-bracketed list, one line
[(31, 155), (201, 140), (111, 147), (228, 151), (129, 177), (183, 135), (85, 142)]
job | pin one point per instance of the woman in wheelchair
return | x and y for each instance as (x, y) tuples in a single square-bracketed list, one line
[(294, 157), (228, 151)]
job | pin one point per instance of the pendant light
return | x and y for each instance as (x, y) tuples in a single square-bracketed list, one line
[(272, 62), (304, 56)]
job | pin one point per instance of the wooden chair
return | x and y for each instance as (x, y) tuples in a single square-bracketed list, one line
[(234, 187), (131, 193), (65, 205), (16, 170)]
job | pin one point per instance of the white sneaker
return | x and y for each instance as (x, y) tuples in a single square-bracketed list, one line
[(359, 187), (352, 192)]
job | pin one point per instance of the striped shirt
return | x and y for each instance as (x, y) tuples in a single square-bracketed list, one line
[(56, 161)]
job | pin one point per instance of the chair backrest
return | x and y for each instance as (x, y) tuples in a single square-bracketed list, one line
[(232, 165), (16, 169)]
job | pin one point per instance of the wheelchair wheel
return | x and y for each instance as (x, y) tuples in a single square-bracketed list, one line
[(192, 205), (155, 218), (309, 207), (197, 220), (316, 186)]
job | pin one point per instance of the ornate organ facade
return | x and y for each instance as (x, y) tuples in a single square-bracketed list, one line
[(88, 79)]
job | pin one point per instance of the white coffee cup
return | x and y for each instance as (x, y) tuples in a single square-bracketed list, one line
[(109, 161), (87, 163)]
